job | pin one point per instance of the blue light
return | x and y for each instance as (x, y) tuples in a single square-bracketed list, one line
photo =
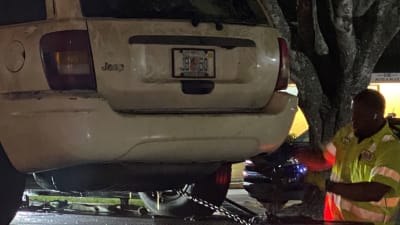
[(301, 169)]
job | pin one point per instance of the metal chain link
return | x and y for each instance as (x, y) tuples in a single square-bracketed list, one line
[(213, 207)]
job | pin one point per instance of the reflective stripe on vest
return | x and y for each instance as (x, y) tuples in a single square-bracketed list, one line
[(387, 202), (331, 148), (387, 138), (372, 148), (387, 172), (330, 153), (335, 177), (331, 211), (361, 213)]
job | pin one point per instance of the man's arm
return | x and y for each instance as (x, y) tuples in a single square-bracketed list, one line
[(364, 191)]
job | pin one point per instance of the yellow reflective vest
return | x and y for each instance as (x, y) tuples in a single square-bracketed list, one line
[(374, 159)]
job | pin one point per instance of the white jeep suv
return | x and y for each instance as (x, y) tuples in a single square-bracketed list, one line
[(143, 95)]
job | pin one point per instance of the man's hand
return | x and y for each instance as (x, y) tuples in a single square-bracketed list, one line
[(317, 179)]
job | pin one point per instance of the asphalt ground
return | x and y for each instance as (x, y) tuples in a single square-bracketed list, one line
[(24, 218), (238, 203), (29, 218)]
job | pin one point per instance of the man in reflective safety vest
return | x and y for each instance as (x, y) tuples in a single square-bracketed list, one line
[(365, 161)]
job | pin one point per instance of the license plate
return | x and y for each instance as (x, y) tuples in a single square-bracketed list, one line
[(193, 63)]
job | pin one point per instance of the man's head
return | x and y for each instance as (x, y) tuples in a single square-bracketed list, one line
[(368, 113)]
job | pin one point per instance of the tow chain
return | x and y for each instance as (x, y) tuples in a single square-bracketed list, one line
[(219, 209)]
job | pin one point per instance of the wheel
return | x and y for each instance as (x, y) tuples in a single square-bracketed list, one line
[(212, 188), (11, 189)]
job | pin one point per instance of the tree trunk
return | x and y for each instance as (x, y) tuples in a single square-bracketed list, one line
[(335, 47)]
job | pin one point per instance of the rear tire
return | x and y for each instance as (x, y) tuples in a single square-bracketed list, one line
[(11, 189), (212, 188)]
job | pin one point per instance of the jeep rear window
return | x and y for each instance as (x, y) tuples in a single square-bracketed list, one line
[(223, 11), (21, 11)]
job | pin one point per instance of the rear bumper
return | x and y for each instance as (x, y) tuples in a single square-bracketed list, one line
[(60, 130)]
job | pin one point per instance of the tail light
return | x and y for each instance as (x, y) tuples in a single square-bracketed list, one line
[(284, 66), (67, 60), (222, 176)]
